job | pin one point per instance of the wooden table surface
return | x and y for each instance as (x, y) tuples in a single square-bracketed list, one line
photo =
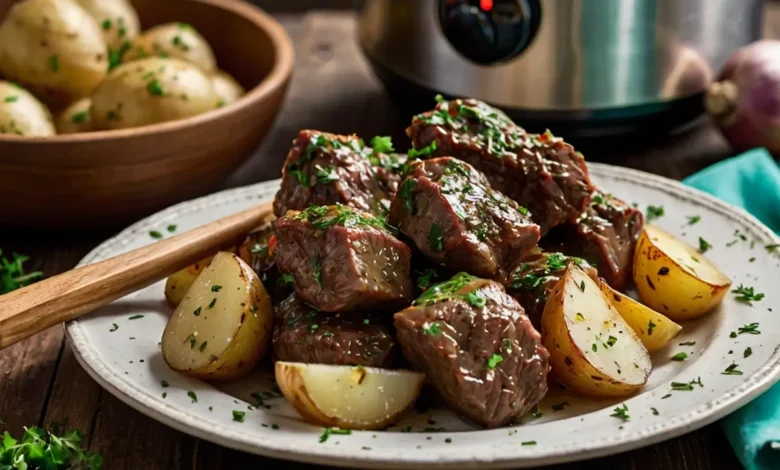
[(333, 89)]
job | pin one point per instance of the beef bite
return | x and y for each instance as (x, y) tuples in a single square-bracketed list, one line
[(453, 216), (326, 169), (535, 277), (343, 259), (304, 334), (605, 235), (477, 348), (539, 171)]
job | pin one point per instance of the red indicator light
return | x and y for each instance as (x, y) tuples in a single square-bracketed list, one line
[(486, 5)]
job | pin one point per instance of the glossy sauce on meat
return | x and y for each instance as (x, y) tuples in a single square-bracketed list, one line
[(455, 218), (539, 171), (343, 259), (304, 334), (477, 348)]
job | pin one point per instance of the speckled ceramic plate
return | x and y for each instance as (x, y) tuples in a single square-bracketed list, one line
[(126, 359)]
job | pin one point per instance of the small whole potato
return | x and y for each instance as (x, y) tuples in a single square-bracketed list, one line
[(116, 18), (75, 118), (22, 114), (54, 48), (227, 88), (149, 91), (175, 40)]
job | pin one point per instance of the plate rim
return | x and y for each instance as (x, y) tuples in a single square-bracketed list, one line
[(697, 417)]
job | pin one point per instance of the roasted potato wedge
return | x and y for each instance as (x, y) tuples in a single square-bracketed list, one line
[(22, 114), (178, 283), (592, 349), (175, 40), (675, 279), (222, 327), (54, 48), (652, 328), (348, 397), (75, 118)]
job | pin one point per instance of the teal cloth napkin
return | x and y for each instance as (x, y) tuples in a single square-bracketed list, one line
[(750, 181)]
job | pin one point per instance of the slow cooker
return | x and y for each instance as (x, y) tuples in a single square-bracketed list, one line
[(581, 67)]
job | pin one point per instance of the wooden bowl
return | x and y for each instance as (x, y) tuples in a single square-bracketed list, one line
[(112, 177)]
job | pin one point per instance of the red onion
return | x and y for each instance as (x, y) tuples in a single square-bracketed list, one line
[(744, 102)]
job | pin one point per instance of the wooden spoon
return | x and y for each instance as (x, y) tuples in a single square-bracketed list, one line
[(72, 294)]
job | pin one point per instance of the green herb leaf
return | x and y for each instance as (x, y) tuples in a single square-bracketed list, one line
[(135, 317), (748, 352), (650, 326), (171, 228), (212, 303), (703, 245), (80, 117), (732, 369), (333, 431), (196, 312), (747, 295), (114, 327), (432, 328), (203, 346), (216, 288), (772, 248), (426, 151), (750, 328), (611, 341), (682, 386), (239, 416), (325, 175), (155, 234), (476, 299), (155, 88), (382, 144), (621, 412), (654, 212), (426, 278), (11, 99), (494, 360), (680, 356), (694, 219), (528, 443), (192, 396), (54, 63), (406, 192)]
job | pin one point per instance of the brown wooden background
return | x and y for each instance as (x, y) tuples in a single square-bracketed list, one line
[(333, 89)]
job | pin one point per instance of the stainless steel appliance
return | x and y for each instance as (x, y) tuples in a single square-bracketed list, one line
[(581, 67)]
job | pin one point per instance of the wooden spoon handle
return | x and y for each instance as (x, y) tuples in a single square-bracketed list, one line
[(72, 294)]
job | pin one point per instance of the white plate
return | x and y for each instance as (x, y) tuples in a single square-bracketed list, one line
[(127, 362)]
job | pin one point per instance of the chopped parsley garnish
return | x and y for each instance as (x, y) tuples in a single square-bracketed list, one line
[(135, 317), (171, 228), (523, 210), (239, 416), (747, 295), (435, 238), (432, 328), (748, 352), (507, 344), (406, 192), (594, 348), (382, 144), (579, 317), (535, 413), (772, 248), (155, 234), (654, 212), (212, 303), (425, 279), (333, 431), (40, 449), (445, 290), (114, 327), (196, 312), (694, 219), (559, 406), (688, 343), (621, 412), (106, 24), (54, 63), (426, 151), (155, 88), (80, 117), (316, 271), (286, 278), (493, 361), (203, 346), (259, 401), (216, 288), (703, 245), (750, 328), (325, 217), (192, 339), (164, 384), (655, 412), (680, 356), (650, 326), (582, 286), (192, 396), (476, 298), (11, 99), (528, 443), (682, 386), (611, 341), (556, 262), (732, 369), (325, 175)]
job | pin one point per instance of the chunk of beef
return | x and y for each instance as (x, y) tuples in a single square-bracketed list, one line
[(540, 172), (533, 280), (605, 235), (453, 216), (477, 348), (304, 334), (343, 259), (327, 169)]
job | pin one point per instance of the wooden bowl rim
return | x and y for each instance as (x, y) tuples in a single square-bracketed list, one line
[(280, 72)]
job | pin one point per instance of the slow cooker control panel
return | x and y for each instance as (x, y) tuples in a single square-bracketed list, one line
[(489, 31)]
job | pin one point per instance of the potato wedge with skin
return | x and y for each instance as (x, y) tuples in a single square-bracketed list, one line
[(227, 88), (652, 328), (117, 20), (175, 40), (592, 349), (22, 114), (348, 397), (178, 283), (75, 118), (222, 327), (675, 279)]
